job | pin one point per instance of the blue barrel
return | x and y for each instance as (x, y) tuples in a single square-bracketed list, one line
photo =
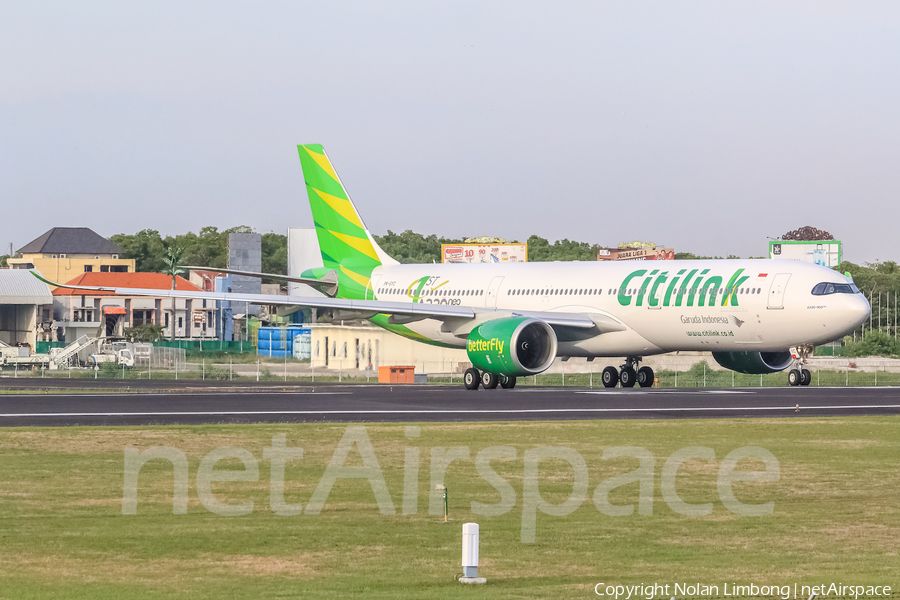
[(278, 341)]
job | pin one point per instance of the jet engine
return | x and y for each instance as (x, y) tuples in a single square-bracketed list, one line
[(754, 363), (515, 346)]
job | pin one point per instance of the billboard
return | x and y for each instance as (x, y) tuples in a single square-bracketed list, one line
[(820, 252), (484, 253), (636, 254)]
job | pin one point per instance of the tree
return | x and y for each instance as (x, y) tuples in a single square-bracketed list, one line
[(3, 258), (875, 343), (145, 247), (410, 247), (274, 253), (878, 277), (148, 332), (880, 284), (540, 250), (172, 261), (208, 248)]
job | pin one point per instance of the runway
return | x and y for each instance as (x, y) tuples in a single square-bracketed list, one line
[(198, 403)]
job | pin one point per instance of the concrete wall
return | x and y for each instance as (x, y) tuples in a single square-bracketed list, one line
[(17, 323), (245, 254), (303, 254), (377, 347)]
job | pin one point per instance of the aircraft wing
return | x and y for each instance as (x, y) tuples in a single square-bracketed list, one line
[(459, 320)]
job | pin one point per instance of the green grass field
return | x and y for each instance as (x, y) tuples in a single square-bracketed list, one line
[(836, 513)]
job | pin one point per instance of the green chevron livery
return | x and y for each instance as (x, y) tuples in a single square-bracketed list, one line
[(344, 242)]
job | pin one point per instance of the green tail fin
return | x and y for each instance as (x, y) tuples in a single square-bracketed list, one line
[(346, 245)]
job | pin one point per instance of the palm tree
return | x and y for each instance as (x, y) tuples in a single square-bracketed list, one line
[(172, 259)]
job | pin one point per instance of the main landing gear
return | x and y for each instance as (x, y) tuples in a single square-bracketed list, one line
[(489, 381), (799, 375), (627, 375)]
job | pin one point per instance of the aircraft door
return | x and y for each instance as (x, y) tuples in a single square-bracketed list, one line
[(776, 290), (493, 289), (373, 285)]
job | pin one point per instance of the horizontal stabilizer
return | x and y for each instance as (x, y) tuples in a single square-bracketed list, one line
[(328, 284)]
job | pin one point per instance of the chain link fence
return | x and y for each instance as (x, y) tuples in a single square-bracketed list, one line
[(148, 356)]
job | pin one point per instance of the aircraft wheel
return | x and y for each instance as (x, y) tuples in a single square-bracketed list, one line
[(805, 377), (645, 377), (610, 377), (472, 379), (507, 382), (489, 380), (627, 377), (794, 377)]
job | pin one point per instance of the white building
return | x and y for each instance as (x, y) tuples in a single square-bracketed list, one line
[(26, 307), (365, 347)]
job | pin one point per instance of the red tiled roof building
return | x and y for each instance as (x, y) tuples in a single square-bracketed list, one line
[(194, 319)]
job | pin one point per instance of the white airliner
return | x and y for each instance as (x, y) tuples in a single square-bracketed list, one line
[(514, 319)]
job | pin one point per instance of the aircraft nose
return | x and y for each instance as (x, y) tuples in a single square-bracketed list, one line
[(856, 311)]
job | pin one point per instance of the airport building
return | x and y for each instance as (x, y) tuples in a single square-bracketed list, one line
[(205, 279), (64, 253), (245, 254), (100, 314), (26, 308), (366, 347), (808, 244)]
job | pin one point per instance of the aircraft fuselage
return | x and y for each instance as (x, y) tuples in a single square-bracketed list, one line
[(712, 305)]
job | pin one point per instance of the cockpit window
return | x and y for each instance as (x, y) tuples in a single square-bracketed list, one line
[(823, 289)]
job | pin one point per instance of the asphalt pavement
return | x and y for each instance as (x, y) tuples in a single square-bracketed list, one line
[(89, 402)]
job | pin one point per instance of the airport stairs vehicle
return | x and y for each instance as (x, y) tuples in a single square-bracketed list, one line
[(65, 356)]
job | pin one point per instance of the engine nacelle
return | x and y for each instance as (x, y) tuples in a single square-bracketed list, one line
[(754, 363), (515, 346)]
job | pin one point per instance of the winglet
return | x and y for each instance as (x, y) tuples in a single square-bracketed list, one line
[(47, 281), (71, 287)]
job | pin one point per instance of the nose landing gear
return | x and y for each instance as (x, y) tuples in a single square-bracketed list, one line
[(798, 375), (507, 382)]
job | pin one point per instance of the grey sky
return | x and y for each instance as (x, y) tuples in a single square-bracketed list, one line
[(704, 126)]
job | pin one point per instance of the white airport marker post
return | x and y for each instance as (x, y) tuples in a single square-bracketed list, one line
[(470, 554)]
